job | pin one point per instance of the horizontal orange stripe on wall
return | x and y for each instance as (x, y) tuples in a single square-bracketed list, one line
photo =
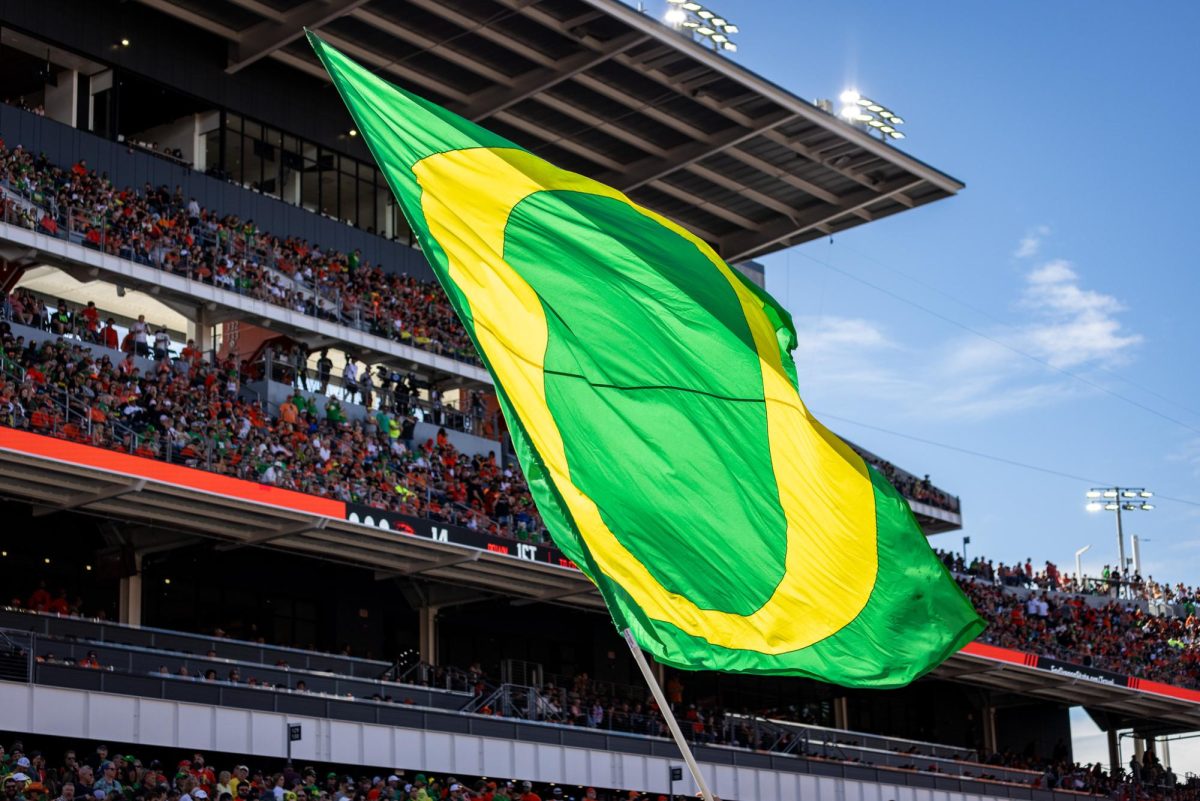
[(124, 464), (997, 653)]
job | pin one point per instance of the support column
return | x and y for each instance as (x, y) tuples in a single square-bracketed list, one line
[(989, 731), (841, 712), (129, 602), (201, 330), (427, 634), (1114, 753)]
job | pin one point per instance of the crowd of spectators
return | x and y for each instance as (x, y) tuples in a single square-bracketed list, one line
[(35, 775), (159, 227), (192, 412)]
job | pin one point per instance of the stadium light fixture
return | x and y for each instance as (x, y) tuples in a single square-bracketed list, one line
[(1119, 499), (693, 18), (870, 115), (124, 42), (354, 132)]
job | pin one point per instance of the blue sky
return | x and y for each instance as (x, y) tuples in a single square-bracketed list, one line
[(1071, 125), (1074, 126)]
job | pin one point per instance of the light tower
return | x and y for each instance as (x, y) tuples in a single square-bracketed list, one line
[(693, 18), (1118, 499), (866, 113)]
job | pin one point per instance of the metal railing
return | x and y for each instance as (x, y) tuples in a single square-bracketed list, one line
[(32, 207), (16, 656)]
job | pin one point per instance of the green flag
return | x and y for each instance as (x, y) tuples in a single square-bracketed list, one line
[(652, 400)]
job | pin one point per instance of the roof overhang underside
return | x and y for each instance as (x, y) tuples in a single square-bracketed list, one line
[(192, 516), (602, 89), (1118, 707)]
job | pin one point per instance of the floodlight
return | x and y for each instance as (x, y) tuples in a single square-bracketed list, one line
[(730, 46), (1128, 494), (676, 2), (897, 120), (862, 101), (874, 123), (1130, 507), (849, 96), (730, 28), (886, 128), (704, 13), (704, 30), (858, 117), (875, 107), (1146, 494), (675, 16), (719, 38), (691, 24), (1093, 493), (1111, 507), (1095, 506), (896, 135), (692, 6), (720, 22), (1146, 507), (887, 115), (849, 112), (1110, 493)]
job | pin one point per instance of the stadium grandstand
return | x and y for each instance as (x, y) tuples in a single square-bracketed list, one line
[(265, 536)]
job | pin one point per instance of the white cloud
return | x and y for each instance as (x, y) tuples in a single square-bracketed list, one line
[(1075, 325), (843, 361), (1031, 243)]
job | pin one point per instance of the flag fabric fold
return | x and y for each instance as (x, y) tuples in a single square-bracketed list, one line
[(652, 400)]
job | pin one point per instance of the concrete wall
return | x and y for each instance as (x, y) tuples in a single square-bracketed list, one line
[(642, 763)]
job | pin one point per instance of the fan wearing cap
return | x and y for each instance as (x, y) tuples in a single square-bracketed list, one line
[(527, 793)]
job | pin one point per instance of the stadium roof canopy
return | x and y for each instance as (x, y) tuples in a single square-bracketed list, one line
[(602, 89)]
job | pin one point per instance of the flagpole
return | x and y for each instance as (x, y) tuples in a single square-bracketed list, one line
[(672, 723)]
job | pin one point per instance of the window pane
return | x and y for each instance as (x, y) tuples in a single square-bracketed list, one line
[(310, 186), (327, 165), (233, 155), (366, 202), (348, 208)]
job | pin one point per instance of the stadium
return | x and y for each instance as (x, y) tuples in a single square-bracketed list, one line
[(265, 530)]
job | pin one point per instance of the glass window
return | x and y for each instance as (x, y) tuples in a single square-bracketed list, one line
[(268, 150), (233, 155), (348, 200), (327, 169), (366, 199), (310, 177)]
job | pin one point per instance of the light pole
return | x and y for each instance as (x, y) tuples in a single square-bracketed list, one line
[(1116, 499), (1078, 569)]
